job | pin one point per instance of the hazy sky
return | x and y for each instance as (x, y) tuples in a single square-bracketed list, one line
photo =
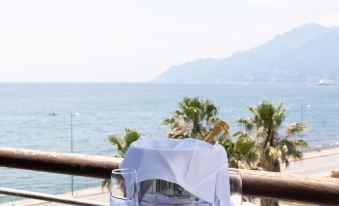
[(118, 41)]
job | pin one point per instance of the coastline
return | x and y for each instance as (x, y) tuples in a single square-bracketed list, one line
[(97, 193), (320, 153)]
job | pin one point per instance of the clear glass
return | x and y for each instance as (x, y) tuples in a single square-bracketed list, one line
[(124, 189), (234, 190), (163, 193)]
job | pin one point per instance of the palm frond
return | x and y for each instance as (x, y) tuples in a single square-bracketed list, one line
[(242, 152), (249, 124), (117, 141), (193, 118), (212, 120), (105, 185), (169, 121), (122, 143), (130, 136), (291, 149), (295, 128)]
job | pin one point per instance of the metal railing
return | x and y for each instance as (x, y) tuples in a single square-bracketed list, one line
[(316, 190), (50, 198)]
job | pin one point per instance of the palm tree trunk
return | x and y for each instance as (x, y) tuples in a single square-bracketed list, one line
[(268, 202), (268, 139), (276, 167)]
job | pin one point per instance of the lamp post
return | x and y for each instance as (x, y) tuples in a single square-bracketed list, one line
[(72, 177), (71, 133), (302, 115)]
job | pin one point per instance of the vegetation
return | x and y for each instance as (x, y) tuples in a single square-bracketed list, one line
[(193, 118), (260, 146), (265, 126), (241, 151), (335, 174), (122, 143)]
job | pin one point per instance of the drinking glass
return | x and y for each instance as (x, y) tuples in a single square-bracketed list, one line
[(123, 190), (234, 190)]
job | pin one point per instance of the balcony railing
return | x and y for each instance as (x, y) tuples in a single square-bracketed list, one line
[(316, 190)]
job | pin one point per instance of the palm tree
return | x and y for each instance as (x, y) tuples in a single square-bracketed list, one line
[(122, 144), (242, 151), (265, 126), (193, 118)]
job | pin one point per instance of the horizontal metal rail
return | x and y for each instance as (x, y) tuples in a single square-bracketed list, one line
[(51, 198), (315, 190), (64, 163), (324, 191)]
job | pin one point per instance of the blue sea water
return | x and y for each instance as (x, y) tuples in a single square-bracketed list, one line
[(109, 108)]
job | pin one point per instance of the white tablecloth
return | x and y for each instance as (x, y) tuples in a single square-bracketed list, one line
[(193, 164)]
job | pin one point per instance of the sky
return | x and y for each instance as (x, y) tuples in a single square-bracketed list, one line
[(134, 41)]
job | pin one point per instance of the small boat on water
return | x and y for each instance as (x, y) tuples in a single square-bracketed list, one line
[(326, 82), (53, 114)]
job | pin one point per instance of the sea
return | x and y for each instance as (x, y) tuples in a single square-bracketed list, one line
[(38, 116)]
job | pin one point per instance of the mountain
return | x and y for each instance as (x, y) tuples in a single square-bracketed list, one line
[(305, 54)]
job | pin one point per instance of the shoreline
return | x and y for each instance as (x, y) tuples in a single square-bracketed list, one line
[(317, 153), (87, 192)]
